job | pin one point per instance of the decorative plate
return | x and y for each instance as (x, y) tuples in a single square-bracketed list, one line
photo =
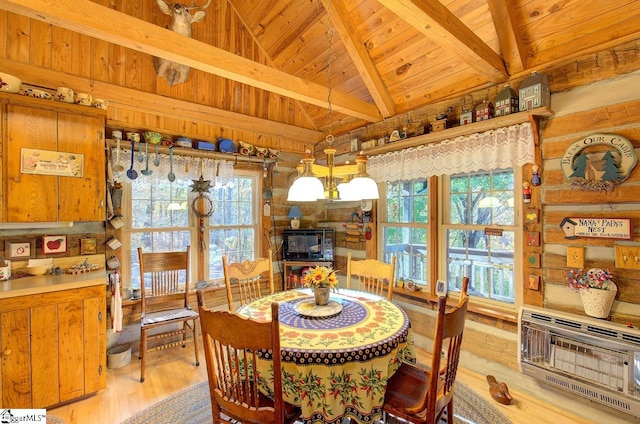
[(308, 308)]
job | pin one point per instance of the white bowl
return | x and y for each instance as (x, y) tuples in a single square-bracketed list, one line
[(38, 269), (9, 83)]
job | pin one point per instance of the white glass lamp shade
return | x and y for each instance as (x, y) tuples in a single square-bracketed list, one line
[(366, 188), (347, 193), (306, 189)]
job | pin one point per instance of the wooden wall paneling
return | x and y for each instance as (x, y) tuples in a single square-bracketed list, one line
[(81, 55), (150, 13), (40, 45), (19, 32), (61, 49), (133, 58), (4, 35)]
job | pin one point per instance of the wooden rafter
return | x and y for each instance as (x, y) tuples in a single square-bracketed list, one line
[(511, 44), (86, 17), (434, 20), (360, 57)]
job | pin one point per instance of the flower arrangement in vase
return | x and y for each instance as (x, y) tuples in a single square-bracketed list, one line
[(596, 289), (321, 279)]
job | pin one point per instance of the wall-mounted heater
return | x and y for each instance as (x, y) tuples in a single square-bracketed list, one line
[(596, 359)]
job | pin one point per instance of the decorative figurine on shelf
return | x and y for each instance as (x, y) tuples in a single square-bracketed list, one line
[(526, 192), (499, 391), (535, 176)]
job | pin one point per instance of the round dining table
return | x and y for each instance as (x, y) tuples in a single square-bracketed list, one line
[(336, 359)]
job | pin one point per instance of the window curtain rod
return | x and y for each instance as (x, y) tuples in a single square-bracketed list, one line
[(505, 147)]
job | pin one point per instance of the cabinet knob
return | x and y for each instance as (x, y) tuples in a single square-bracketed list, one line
[(16, 179), (7, 352)]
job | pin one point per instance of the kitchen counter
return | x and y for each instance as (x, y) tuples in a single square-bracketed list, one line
[(33, 285)]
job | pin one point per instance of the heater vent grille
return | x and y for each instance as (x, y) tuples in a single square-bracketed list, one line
[(599, 361)]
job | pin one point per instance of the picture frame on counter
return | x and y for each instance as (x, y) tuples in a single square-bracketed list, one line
[(54, 244), (19, 249)]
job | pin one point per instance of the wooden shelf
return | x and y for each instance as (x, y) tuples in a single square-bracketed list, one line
[(451, 133), (185, 151)]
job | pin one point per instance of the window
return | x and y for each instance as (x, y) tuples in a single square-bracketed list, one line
[(233, 227), (159, 219), (404, 228), (162, 220), (473, 203)]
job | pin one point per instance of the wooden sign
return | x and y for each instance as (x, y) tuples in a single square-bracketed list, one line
[(47, 162), (614, 228)]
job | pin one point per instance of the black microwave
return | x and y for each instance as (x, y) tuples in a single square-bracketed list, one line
[(308, 244)]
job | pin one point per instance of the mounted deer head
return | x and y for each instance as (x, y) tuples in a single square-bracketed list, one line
[(182, 17)]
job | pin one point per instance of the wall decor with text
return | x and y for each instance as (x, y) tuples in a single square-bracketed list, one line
[(613, 228)]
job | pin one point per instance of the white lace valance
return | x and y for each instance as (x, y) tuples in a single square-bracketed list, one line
[(496, 149)]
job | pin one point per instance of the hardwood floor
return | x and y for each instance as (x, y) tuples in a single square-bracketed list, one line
[(172, 370)]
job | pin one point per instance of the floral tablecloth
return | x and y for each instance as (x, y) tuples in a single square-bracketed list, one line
[(337, 367)]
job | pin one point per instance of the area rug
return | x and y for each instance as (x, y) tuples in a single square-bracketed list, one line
[(193, 406)]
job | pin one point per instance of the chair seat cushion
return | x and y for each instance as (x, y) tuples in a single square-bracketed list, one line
[(407, 389), (180, 314)]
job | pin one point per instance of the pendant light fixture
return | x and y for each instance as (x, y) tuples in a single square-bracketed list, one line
[(357, 185)]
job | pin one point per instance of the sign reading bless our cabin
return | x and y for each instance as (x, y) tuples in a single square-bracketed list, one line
[(615, 228)]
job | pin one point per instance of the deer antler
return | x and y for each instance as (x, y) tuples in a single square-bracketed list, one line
[(199, 7)]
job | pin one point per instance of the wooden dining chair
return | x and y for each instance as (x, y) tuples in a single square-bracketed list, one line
[(231, 356), (245, 279), (373, 275), (167, 273), (420, 396)]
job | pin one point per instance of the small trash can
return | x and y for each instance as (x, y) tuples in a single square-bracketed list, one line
[(118, 357)]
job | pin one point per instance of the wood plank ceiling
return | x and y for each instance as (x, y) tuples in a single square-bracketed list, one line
[(388, 57)]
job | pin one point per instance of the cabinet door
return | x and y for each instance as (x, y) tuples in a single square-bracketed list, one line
[(44, 356), (16, 380), (95, 330), (30, 198), (82, 198), (71, 344)]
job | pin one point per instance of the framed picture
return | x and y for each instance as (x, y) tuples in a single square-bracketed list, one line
[(54, 244), (88, 246), (441, 288), (19, 249)]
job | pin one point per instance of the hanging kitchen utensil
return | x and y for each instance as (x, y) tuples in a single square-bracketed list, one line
[(140, 157), (117, 167), (156, 161), (146, 171), (131, 173), (171, 176)]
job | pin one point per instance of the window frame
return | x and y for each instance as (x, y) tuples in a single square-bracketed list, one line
[(383, 222), (436, 260), (518, 234), (199, 258)]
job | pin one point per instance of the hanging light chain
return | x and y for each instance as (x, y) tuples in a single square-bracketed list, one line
[(329, 62)]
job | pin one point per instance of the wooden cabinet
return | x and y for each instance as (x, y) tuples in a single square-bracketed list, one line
[(54, 127), (53, 347)]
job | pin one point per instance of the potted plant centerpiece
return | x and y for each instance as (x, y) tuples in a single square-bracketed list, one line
[(321, 279), (596, 289)]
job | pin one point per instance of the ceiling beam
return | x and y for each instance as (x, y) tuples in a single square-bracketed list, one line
[(511, 46), (156, 104), (360, 56), (432, 19), (86, 17)]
